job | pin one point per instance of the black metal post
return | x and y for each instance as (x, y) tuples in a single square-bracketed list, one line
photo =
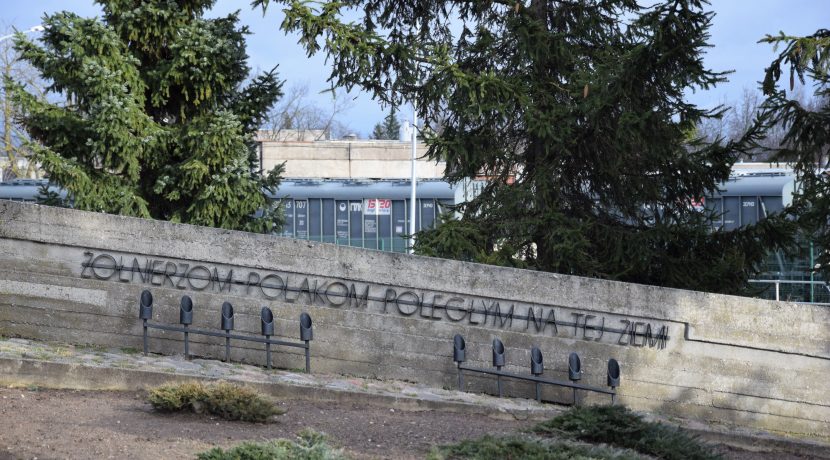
[(538, 391), (498, 380), (574, 396), (226, 325), (268, 351), (613, 398), (145, 337), (460, 378), (307, 358), (186, 344), (228, 346), (145, 312)]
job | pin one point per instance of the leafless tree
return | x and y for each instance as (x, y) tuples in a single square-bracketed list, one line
[(741, 114), (298, 117), (15, 156)]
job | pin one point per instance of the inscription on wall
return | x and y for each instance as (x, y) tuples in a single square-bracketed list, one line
[(333, 293)]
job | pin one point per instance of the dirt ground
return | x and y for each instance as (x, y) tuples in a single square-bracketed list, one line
[(48, 424), (52, 424)]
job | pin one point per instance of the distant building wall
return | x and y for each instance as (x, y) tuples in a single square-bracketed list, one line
[(349, 159), (76, 277)]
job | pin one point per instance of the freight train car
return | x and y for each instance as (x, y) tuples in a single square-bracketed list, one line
[(375, 213), (27, 190), (364, 213), (370, 214), (750, 197)]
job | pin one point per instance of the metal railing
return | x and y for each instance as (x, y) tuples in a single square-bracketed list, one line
[(227, 325), (537, 368), (817, 290)]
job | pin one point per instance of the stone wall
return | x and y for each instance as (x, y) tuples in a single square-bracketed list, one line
[(76, 277)]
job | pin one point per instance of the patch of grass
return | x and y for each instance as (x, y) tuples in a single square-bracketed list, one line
[(231, 402), (618, 426), (515, 447), (309, 445), (63, 352), (130, 351), (94, 348), (39, 355), (124, 365)]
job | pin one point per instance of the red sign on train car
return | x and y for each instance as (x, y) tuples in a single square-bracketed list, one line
[(379, 206)]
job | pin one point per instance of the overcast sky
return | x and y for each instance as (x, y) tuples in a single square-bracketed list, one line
[(737, 27)]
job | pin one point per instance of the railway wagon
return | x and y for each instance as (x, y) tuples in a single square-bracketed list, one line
[(372, 214), (749, 198)]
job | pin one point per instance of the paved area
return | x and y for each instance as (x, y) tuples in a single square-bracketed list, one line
[(74, 367), (35, 366)]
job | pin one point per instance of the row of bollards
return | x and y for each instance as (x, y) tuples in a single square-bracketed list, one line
[(537, 368), (227, 325)]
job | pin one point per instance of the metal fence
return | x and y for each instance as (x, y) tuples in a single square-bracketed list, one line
[(537, 368), (801, 291), (226, 325)]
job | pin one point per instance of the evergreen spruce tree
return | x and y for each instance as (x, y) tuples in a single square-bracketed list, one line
[(156, 121), (806, 143), (390, 128), (575, 112)]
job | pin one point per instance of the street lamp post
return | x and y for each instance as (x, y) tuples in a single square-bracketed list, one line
[(412, 202), (37, 28)]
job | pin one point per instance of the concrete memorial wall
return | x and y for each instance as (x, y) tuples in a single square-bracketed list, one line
[(76, 277)]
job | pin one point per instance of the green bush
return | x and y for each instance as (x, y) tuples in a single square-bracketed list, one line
[(177, 397), (618, 426), (231, 402), (515, 447), (309, 445)]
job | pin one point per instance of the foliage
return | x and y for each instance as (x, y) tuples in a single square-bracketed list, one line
[(231, 402), (308, 446), (490, 447), (575, 114), (12, 135), (50, 197), (618, 426), (806, 142), (457, 239), (156, 121), (390, 127)]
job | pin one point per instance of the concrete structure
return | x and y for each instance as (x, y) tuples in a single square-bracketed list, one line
[(347, 159), (76, 277)]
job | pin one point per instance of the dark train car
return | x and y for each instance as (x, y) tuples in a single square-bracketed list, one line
[(370, 214), (24, 190), (748, 198)]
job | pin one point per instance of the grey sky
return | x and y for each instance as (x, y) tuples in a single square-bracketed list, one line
[(737, 27)]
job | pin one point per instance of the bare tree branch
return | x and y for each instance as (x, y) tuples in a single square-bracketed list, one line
[(297, 117), (14, 155)]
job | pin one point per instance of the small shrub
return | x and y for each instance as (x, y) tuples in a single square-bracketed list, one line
[(618, 426), (514, 447), (309, 445), (177, 397), (231, 402)]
